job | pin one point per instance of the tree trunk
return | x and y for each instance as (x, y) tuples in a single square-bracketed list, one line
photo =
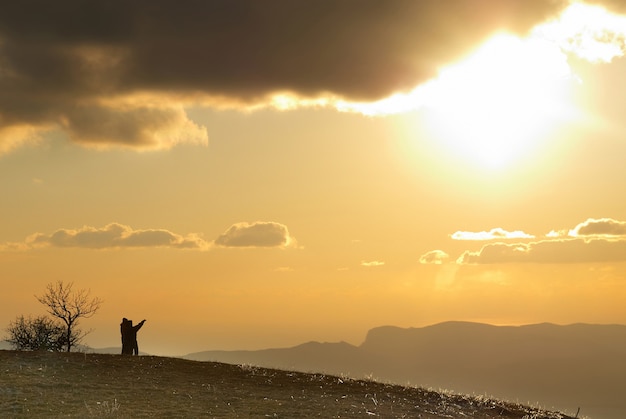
[(69, 335)]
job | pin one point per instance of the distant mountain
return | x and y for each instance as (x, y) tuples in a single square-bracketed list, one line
[(331, 358), (114, 350), (558, 367)]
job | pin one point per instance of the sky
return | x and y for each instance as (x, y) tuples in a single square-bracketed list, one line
[(252, 174)]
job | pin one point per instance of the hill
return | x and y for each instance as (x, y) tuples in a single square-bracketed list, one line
[(558, 367), (45, 384)]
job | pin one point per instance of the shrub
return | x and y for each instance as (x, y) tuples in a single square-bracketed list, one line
[(36, 334)]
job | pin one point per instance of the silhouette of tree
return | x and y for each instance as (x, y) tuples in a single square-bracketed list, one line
[(68, 305), (36, 334)]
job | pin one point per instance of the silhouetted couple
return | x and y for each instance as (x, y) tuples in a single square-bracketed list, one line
[(129, 336)]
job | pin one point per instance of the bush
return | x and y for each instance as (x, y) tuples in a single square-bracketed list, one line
[(36, 334)]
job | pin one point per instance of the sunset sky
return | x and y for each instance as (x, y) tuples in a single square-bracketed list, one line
[(251, 174)]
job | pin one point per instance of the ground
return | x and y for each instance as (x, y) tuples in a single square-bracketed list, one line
[(46, 384)]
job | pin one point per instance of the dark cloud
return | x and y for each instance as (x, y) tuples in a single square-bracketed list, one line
[(257, 234), (115, 236), (549, 251), (144, 127), (60, 60)]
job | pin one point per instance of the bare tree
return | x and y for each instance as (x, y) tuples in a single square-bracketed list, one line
[(68, 305)]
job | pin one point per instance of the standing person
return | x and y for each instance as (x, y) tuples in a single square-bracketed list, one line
[(124, 330), (133, 336), (129, 336)]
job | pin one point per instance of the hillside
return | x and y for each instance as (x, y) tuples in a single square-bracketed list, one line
[(43, 384), (557, 367)]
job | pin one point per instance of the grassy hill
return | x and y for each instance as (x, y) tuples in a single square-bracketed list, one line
[(44, 384), (556, 367)]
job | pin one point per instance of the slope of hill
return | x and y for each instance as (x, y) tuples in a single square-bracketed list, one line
[(45, 384), (558, 367)]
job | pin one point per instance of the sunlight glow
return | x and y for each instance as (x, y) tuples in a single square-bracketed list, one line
[(590, 32), (503, 101), (495, 106)]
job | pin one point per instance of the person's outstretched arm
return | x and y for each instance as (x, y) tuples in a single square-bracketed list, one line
[(139, 325)]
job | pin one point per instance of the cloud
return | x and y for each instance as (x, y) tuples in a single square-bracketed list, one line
[(85, 69), (592, 241), (593, 228), (257, 234), (617, 6), (117, 236), (590, 32), (372, 264), (599, 227), (549, 251), (435, 257), (140, 127), (114, 236), (494, 233)]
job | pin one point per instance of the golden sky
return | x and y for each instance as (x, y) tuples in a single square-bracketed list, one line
[(249, 174)]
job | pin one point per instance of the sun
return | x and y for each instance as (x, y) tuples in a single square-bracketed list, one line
[(501, 103), (507, 100)]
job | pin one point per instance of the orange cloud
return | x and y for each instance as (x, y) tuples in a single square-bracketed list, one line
[(257, 234), (118, 236), (115, 236)]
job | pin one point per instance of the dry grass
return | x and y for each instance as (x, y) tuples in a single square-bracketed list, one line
[(43, 384)]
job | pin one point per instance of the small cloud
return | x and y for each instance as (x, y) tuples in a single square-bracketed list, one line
[(257, 234), (372, 263), (113, 236), (434, 257), (555, 234), (603, 227), (493, 234), (284, 269), (496, 253)]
